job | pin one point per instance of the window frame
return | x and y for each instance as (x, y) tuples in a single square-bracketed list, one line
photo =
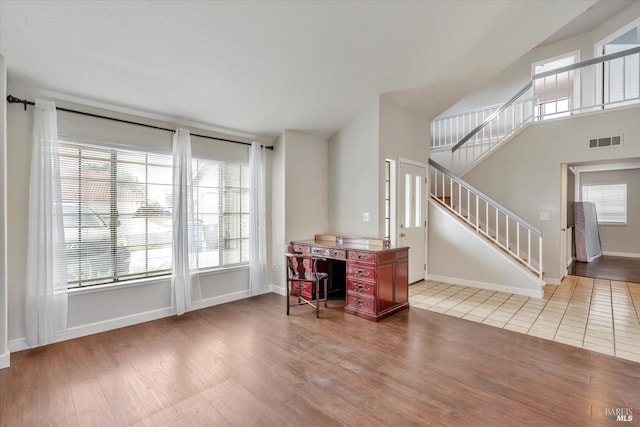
[(607, 221), (90, 285)]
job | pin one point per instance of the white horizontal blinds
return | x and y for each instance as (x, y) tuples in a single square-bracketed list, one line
[(221, 199), (610, 201), (117, 213), (236, 212)]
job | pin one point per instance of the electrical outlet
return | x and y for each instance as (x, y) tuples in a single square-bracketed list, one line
[(273, 268), (365, 216)]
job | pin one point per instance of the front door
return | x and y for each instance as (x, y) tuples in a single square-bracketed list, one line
[(412, 215)]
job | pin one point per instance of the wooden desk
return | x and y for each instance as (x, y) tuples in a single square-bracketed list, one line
[(377, 278)]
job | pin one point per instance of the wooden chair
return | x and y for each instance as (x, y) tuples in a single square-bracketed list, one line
[(304, 280)]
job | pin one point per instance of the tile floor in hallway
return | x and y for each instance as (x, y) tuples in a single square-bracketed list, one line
[(596, 314)]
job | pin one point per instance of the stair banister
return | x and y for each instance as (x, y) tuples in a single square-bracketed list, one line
[(496, 204), (491, 117), (571, 67), (481, 225)]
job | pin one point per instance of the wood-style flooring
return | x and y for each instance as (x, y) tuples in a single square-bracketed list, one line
[(246, 363), (608, 267)]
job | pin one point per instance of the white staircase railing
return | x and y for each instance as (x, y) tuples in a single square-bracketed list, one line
[(513, 234), (446, 131), (596, 84)]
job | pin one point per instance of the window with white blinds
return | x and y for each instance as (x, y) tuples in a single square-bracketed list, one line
[(610, 201), (221, 199), (117, 207)]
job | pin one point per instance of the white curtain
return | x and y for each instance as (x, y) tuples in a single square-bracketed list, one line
[(46, 303), (185, 284), (258, 269)]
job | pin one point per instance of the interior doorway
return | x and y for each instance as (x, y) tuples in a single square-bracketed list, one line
[(614, 186)]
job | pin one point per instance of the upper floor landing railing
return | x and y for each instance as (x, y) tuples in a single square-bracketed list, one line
[(596, 84)]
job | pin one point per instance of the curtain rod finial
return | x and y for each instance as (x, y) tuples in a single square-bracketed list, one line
[(12, 99)]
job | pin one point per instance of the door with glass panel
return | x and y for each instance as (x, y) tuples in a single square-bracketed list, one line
[(412, 215)]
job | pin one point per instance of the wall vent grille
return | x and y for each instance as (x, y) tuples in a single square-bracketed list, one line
[(607, 141)]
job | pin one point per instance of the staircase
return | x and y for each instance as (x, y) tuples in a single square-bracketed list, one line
[(554, 94), (515, 236)]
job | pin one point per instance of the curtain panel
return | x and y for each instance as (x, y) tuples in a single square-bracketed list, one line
[(46, 286), (185, 284), (258, 268)]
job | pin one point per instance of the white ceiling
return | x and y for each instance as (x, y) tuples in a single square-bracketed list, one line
[(262, 67)]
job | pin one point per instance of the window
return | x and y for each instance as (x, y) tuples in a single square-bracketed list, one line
[(221, 199), (558, 93), (387, 199), (117, 213), (620, 81), (610, 201)]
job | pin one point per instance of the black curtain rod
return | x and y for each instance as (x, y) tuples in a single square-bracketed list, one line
[(13, 100)]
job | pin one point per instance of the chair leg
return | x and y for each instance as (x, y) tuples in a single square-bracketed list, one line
[(326, 294), (317, 298)]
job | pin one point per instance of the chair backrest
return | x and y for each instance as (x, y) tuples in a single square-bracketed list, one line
[(298, 264)]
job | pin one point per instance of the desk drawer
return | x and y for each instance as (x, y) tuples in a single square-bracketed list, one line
[(303, 249), (307, 290), (329, 253), (361, 302), (338, 254), (361, 271), (361, 288), (304, 289), (362, 256)]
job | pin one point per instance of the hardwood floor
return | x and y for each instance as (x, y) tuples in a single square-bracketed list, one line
[(247, 363), (608, 267)]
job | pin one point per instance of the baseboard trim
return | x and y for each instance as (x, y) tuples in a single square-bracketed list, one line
[(621, 254), (222, 299), (5, 359), (20, 344), (552, 281), (280, 290), (491, 286)]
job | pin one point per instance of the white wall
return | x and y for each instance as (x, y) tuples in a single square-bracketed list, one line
[(404, 134), (621, 240), (524, 174), (354, 175), (306, 200), (461, 256), (106, 307), (513, 78), (4, 312), (300, 194)]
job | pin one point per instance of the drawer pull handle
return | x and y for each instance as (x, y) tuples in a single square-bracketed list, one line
[(362, 273)]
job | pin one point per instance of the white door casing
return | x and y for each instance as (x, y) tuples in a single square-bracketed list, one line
[(412, 215)]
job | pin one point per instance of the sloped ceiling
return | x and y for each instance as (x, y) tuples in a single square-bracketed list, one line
[(262, 67)]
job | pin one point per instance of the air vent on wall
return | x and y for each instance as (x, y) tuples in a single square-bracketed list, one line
[(608, 141)]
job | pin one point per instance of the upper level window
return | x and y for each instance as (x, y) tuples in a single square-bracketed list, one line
[(620, 78), (610, 201), (117, 207), (556, 94)]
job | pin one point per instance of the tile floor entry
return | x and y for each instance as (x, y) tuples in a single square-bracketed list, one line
[(595, 314)]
